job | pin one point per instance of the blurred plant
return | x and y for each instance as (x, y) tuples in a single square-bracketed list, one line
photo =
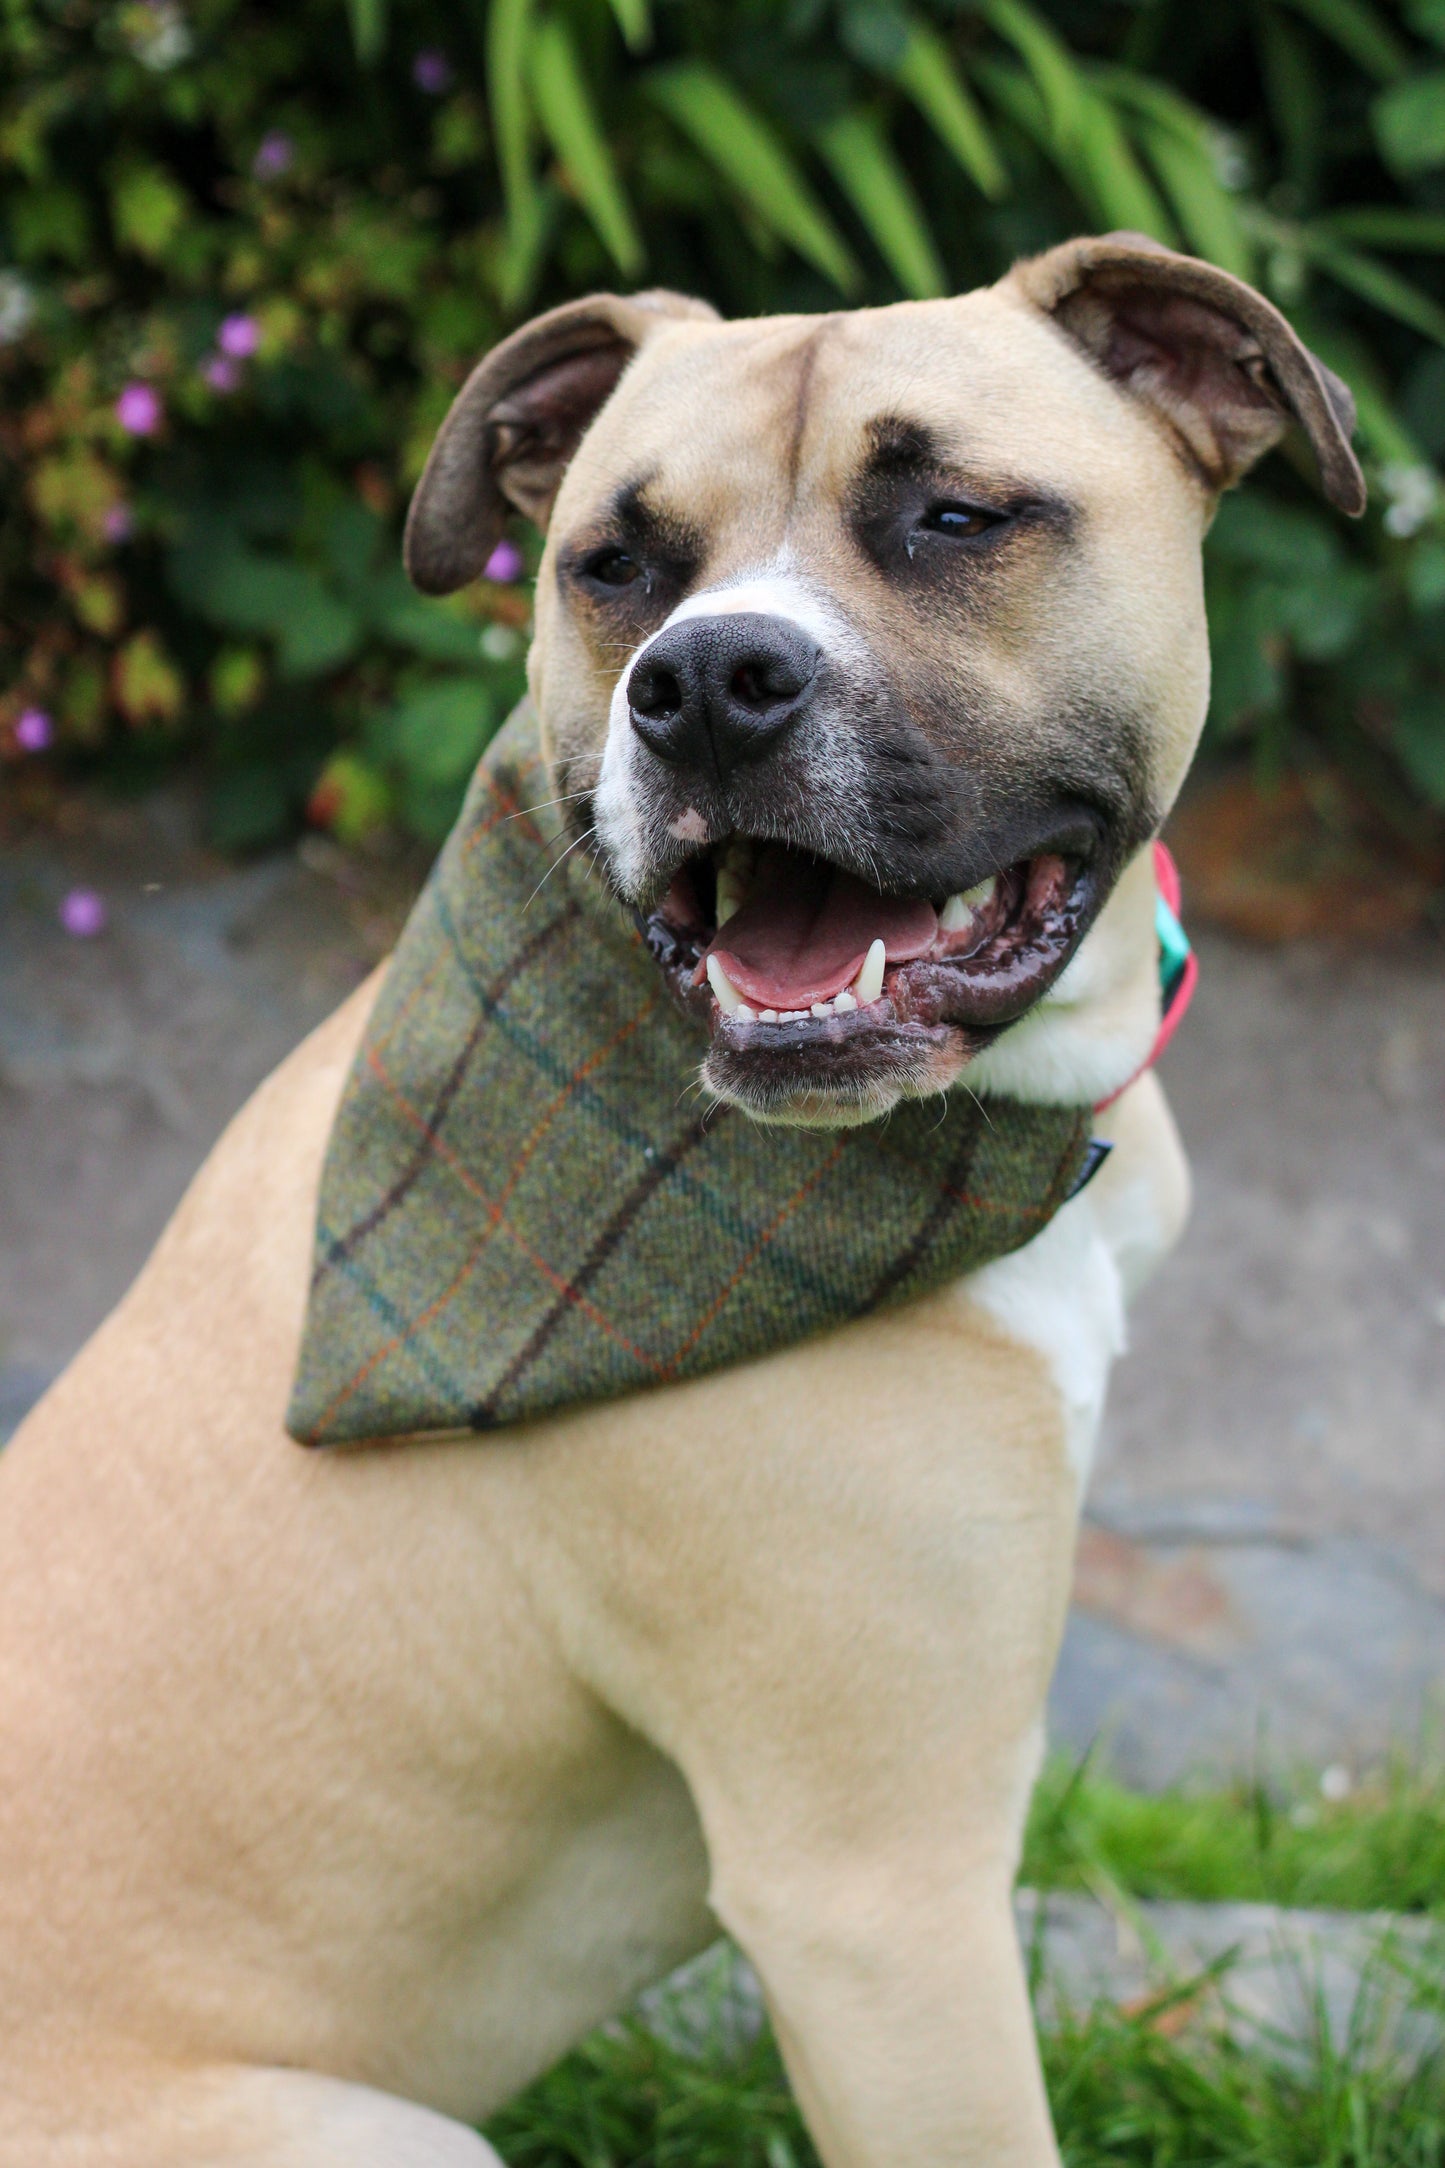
[(247, 255)]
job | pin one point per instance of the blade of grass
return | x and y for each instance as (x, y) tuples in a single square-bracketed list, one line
[(744, 150), (634, 20), (1361, 32), (1414, 232), (566, 113), (925, 72), (368, 29), (1121, 191), (862, 163), (1048, 61), (1205, 211), (508, 32), (1174, 136)]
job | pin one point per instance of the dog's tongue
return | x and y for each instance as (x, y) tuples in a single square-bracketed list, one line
[(806, 927)]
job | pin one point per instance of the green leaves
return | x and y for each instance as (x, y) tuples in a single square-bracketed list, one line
[(368, 29), (1409, 122), (576, 136), (925, 71), (867, 172), (748, 155)]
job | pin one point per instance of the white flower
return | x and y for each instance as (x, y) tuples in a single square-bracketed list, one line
[(1228, 158), (17, 307), (165, 40), (1413, 493), (499, 643)]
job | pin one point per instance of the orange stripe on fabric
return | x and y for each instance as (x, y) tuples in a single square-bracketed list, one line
[(496, 1210), (785, 1212)]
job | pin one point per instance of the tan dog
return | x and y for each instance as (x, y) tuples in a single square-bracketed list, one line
[(341, 1792)]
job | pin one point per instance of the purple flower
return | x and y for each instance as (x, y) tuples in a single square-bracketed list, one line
[(274, 154), (239, 336), (221, 373), (83, 914), (138, 410), (34, 730), (118, 524), (504, 564), (431, 71)]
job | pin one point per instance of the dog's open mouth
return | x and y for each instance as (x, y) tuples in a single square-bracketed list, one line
[(800, 966)]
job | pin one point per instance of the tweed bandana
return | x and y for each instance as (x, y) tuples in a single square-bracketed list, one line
[(525, 1204)]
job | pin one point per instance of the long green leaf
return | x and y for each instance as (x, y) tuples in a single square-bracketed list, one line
[(566, 113), (1376, 282), (508, 25), (634, 20), (368, 29), (1381, 226), (865, 168), (1174, 136), (925, 71), (1372, 281), (1361, 31), (1121, 192), (1205, 211), (1384, 434), (1050, 63), (732, 138)]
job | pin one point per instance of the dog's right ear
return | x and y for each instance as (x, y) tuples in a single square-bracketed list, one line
[(515, 424)]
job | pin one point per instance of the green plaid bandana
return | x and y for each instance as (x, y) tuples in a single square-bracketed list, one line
[(524, 1203)]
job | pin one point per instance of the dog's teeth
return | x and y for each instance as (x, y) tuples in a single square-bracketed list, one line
[(869, 983), (844, 1002), (743, 1010), (729, 895), (959, 912), (728, 997), (822, 1008), (767, 1016)]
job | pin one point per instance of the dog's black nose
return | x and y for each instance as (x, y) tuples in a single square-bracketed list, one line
[(717, 691)]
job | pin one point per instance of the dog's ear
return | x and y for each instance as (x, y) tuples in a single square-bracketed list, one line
[(1212, 357), (516, 422)]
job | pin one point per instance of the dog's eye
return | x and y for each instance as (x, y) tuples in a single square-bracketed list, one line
[(962, 521), (612, 568)]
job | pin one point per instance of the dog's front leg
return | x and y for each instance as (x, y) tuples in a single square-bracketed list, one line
[(830, 1587)]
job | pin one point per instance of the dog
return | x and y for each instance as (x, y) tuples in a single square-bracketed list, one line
[(343, 1791)]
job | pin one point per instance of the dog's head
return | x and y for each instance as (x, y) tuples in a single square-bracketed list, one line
[(870, 647)]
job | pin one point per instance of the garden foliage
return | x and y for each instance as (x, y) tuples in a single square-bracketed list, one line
[(247, 254)]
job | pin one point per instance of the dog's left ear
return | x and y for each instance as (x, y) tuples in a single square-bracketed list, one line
[(517, 421), (1215, 360)]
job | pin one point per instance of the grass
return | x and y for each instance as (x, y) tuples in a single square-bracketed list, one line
[(1152, 2087), (1379, 1848)]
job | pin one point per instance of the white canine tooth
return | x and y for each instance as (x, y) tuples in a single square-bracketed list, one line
[(844, 1002), (750, 1014), (822, 1008), (728, 997), (869, 983), (767, 1016), (729, 895)]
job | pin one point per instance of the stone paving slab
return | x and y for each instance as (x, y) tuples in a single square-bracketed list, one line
[(1263, 1569)]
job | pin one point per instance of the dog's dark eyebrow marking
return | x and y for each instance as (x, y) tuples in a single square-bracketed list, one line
[(629, 515), (900, 448)]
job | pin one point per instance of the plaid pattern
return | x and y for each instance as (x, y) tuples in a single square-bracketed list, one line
[(524, 1203)]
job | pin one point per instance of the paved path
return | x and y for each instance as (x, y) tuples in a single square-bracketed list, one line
[(1264, 1565)]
